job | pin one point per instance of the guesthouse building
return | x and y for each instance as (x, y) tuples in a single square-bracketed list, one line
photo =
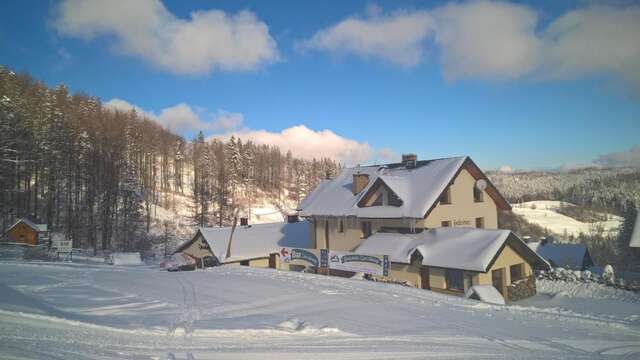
[(437, 220)]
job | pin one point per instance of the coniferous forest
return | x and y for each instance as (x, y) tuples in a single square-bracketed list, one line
[(94, 174)]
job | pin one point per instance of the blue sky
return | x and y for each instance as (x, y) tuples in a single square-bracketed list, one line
[(384, 78)]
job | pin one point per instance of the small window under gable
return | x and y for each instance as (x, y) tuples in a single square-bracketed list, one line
[(380, 195)]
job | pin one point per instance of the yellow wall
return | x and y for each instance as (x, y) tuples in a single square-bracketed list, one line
[(462, 210), (22, 233), (198, 248), (406, 272), (259, 263), (506, 258), (262, 262), (437, 279)]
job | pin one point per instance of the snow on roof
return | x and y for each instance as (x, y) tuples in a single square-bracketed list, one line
[(486, 293), (418, 188), (457, 248), (31, 224), (564, 255), (255, 241), (635, 235)]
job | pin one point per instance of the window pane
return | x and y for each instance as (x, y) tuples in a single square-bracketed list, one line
[(455, 279), (516, 272)]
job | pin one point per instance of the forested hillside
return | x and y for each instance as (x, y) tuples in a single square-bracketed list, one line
[(606, 189), (94, 174)]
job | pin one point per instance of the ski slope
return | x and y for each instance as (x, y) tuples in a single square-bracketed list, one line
[(543, 213), (78, 311)]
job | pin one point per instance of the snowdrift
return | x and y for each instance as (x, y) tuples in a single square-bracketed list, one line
[(125, 258)]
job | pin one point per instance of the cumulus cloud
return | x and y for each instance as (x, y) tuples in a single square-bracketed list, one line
[(599, 39), (397, 38), (302, 141), (308, 144), (497, 40), (505, 169), (629, 158), (208, 40), (387, 154), (486, 39), (182, 117)]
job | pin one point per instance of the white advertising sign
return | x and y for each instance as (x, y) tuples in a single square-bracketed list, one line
[(299, 256), (369, 264), (64, 246)]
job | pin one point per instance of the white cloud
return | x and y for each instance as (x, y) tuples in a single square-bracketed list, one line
[(497, 40), (486, 39), (228, 121), (623, 158), (124, 106), (388, 155), (505, 169), (397, 38), (599, 39), (302, 141), (182, 117), (308, 144), (209, 40)]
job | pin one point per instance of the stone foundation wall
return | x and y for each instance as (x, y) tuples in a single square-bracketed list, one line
[(522, 289)]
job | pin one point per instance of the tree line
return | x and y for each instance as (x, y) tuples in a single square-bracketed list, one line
[(95, 174)]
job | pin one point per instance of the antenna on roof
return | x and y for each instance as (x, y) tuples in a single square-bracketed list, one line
[(481, 184)]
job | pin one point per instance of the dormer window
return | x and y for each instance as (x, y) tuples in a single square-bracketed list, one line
[(445, 198), (380, 195)]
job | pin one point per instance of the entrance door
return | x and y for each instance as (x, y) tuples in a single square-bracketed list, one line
[(497, 279), (424, 278), (272, 261)]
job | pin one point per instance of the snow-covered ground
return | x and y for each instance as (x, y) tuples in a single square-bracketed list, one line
[(80, 311), (543, 213)]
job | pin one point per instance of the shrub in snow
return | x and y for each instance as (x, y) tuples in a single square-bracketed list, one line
[(607, 274)]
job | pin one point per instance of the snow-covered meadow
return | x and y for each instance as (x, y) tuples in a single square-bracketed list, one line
[(545, 214), (80, 311)]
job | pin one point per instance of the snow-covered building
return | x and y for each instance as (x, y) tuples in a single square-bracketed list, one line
[(26, 231), (568, 256), (436, 219), (453, 260), (251, 245), (401, 197)]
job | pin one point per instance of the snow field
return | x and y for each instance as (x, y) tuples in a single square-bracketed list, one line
[(543, 213), (74, 311)]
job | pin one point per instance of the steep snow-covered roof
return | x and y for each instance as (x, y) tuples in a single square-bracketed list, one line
[(457, 248), (255, 241), (31, 224), (419, 188), (564, 255), (635, 235)]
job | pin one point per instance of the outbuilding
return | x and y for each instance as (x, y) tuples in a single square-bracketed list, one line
[(452, 260), (250, 245), (25, 231), (568, 256)]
